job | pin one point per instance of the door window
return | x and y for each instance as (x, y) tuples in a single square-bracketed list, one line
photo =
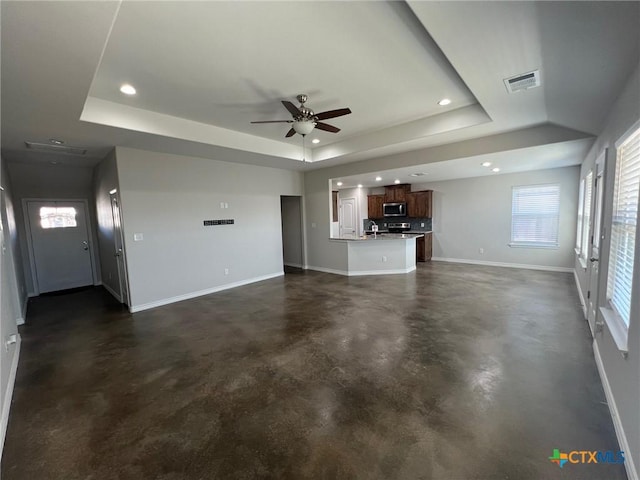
[(58, 217)]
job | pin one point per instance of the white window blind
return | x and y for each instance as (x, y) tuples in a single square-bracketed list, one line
[(535, 212), (623, 226), (586, 218), (580, 216)]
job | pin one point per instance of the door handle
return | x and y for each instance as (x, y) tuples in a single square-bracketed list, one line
[(85, 245), (593, 259), (118, 253)]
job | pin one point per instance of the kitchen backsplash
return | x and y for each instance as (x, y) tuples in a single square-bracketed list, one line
[(416, 223)]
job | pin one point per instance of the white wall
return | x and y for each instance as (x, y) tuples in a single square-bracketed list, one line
[(166, 198), (51, 182), (12, 301), (621, 375), (292, 252), (474, 213), (106, 179)]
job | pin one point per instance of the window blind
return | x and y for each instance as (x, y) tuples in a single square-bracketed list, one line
[(623, 226), (586, 218), (535, 211)]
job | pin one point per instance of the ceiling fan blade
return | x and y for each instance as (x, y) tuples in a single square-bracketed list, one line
[(290, 133), (327, 128), (275, 121), (293, 110), (333, 113)]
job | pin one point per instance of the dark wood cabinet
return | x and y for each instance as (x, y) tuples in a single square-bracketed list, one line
[(424, 247), (396, 193), (419, 204), (375, 206)]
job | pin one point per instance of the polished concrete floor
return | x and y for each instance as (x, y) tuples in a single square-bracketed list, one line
[(451, 372)]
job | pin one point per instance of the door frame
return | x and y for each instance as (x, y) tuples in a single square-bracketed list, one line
[(27, 226), (123, 273)]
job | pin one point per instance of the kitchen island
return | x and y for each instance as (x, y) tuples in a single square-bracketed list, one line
[(381, 254)]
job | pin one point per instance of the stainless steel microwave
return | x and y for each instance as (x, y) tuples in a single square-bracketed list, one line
[(394, 209)]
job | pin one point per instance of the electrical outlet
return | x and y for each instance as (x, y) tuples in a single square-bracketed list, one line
[(481, 250), (422, 225), (384, 258), (313, 225), (226, 271)]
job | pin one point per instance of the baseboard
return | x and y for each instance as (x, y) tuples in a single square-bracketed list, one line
[(6, 405), (359, 273), (629, 464), (582, 302), (112, 292), (294, 265), (208, 291), (547, 268)]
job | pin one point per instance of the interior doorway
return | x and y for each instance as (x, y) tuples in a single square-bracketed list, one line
[(595, 236), (59, 244), (291, 215), (119, 254), (348, 218)]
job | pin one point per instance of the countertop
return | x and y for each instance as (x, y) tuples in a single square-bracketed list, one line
[(379, 237)]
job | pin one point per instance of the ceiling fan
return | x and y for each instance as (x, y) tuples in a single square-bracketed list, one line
[(305, 120)]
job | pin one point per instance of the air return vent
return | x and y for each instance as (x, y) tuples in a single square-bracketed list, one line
[(523, 81), (47, 147)]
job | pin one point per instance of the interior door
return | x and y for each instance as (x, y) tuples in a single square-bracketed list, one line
[(60, 244), (593, 265), (118, 240), (348, 217)]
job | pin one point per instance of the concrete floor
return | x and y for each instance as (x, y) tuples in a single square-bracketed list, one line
[(451, 372)]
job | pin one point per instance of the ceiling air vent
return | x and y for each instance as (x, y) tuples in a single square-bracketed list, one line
[(47, 147), (524, 81)]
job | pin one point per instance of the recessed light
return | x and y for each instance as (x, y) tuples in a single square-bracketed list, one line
[(396, 181), (359, 185), (128, 89), (339, 184), (378, 179), (486, 164), (495, 169), (444, 101), (55, 141), (53, 162), (417, 174)]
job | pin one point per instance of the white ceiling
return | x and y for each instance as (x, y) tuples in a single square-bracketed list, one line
[(205, 70)]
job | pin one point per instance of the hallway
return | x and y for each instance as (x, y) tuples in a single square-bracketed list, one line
[(451, 372)]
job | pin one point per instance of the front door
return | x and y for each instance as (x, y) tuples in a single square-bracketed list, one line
[(348, 218), (60, 245), (593, 264)]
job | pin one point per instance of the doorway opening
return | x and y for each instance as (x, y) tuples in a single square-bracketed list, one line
[(292, 240)]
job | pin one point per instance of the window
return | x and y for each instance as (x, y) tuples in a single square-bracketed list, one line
[(623, 226), (535, 211), (586, 216), (580, 217), (58, 217)]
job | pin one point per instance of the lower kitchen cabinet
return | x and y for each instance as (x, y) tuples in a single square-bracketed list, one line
[(424, 246)]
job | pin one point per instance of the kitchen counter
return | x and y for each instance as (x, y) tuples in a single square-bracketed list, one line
[(379, 237)]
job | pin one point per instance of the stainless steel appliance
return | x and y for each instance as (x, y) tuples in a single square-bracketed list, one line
[(399, 227), (394, 209)]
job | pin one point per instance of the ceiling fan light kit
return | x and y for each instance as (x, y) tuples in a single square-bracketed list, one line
[(305, 119)]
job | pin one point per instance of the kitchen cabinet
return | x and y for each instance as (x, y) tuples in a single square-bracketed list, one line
[(419, 204), (374, 204), (424, 247), (396, 193)]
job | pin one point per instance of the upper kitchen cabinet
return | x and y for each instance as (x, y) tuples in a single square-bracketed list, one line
[(396, 193), (419, 204), (374, 203)]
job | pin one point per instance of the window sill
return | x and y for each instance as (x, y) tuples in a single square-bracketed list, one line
[(618, 329), (533, 245)]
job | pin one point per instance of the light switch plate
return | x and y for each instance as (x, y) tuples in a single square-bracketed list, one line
[(138, 237)]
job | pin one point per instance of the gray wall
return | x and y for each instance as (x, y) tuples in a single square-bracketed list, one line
[(474, 213), (622, 374), (105, 180), (166, 198), (50, 182), (12, 300), (292, 241)]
